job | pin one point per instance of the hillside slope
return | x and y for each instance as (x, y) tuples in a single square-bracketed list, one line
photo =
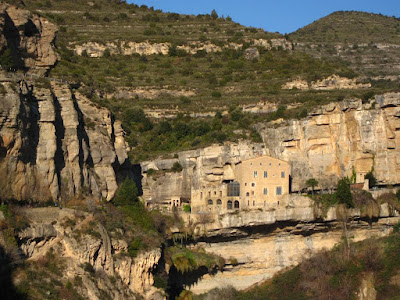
[(368, 42)]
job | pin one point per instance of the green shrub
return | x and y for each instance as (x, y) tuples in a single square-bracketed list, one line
[(135, 247), (372, 179), (396, 228), (216, 94), (343, 192), (127, 193), (88, 268), (160, 282), (187, 208), (176, 167), (6, 60)]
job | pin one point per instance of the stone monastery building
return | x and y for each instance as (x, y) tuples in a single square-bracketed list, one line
[(257, 183)]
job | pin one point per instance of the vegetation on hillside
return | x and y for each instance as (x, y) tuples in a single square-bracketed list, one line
[(352, 27), (201, 82)]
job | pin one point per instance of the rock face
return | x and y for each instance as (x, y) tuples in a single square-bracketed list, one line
[(71, 235), (326, 145), (207, 165), (56, 144), (333, 82), (251, 53), (95, 49), (336, 82), (29, 37), (257, 257), (338, 137)]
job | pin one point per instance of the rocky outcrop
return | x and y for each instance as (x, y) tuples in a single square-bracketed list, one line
[(340, 137), (333, 82), (298, 84), (55, 144), (151, 92), (336, 82), (251, 53), (95, 49), (200, 167), (77, 240), (326, 145), (277, 44), (29, 37), (260, 256)]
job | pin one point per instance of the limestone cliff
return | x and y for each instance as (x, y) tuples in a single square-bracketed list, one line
[(79, 241), (200, 167), (333, 82), (338, 137), (29, 37), (95, 49), (55, 144), (326, 145), (267, 251)]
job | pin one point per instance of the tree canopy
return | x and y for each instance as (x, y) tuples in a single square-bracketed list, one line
[(127, 193), (343, 192), (312, 182)]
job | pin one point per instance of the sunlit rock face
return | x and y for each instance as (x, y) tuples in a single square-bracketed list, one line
[(56, 144), (29, 37), (329, 144), (339, 137)]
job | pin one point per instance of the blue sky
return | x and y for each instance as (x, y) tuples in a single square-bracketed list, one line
[(273, 15)]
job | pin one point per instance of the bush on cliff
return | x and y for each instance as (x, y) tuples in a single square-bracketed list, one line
[(343, 192), (127, 193)]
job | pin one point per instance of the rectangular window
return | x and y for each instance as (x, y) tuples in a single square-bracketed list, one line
[(283, 174), (265, 191), (254, 203), (201, 195), (233, 189), (220, 193), (279, 190), (253, 184), (252, 193), (265, 174), (255, 174)]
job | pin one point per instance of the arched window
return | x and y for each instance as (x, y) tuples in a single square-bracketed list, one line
[(233, 189), (236, 204), (219, 202), (229, 204), (210, 202)]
